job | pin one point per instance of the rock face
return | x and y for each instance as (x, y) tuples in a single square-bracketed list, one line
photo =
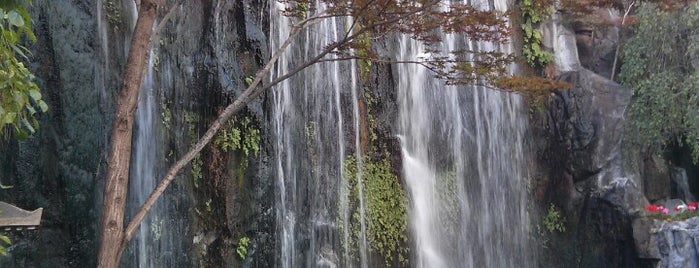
[(677, 243), (588, 176), (588, 122)]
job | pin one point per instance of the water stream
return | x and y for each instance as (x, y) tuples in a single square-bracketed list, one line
[(310, 147), (463, 159), (463, 162)]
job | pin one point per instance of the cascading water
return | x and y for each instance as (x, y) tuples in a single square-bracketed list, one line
[(463, 163), (310, 147), (143, 169)]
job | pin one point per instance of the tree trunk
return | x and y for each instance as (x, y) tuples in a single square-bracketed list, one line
[(117, 181)]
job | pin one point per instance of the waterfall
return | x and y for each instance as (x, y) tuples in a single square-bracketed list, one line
[(143, 174), (463, 159), (310, 148), (463, 163)]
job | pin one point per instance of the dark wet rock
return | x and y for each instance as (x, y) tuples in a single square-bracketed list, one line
[(605, 235), (656, 178), (645, 241)]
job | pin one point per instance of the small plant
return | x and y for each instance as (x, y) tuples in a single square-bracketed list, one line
[(533, 12), (386, 208), (166, 115), (249, 80), (241, 135), (554, 221), (4, 241), (242, 248)]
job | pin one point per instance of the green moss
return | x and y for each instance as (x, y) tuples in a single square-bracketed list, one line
[(242, 248), (364, 53), (112, 11), (386, 209), (166, 114), (371, 120), (239, 135)]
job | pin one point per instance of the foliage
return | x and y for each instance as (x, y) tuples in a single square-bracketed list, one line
[(588, 6), (533, 12), (386, 208), (241, 135), (242, 248), (20, 98), (4, 241), (426, 21), (553, 220), (248, 80), (534, 88), (660, 67)]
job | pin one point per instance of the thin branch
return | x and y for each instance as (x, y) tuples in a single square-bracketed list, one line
[(166, 18), (618, 45)]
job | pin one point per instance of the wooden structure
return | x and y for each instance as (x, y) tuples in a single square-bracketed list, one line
[(14, 218)]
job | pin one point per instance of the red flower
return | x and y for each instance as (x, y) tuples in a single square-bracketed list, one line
[(653, 208), (677, 208)]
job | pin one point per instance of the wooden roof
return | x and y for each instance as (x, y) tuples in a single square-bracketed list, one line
[(12, 217)]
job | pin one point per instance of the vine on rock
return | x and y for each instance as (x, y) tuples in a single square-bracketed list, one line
[(533, 12)]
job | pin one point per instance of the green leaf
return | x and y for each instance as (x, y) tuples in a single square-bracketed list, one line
[(15, 18), (27, 125), (9, 118), (43, 106), (5, 239), (35, 94)]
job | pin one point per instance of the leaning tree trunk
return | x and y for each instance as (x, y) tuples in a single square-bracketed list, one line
[(117, 181)]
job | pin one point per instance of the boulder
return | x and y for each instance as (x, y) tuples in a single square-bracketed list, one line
[(656, 178), (677, 243), (588, 123)]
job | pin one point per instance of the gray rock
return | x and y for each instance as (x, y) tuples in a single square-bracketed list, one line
[(645, 241), (655, 175), (588, 121), (677, 243), (561, 39)]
